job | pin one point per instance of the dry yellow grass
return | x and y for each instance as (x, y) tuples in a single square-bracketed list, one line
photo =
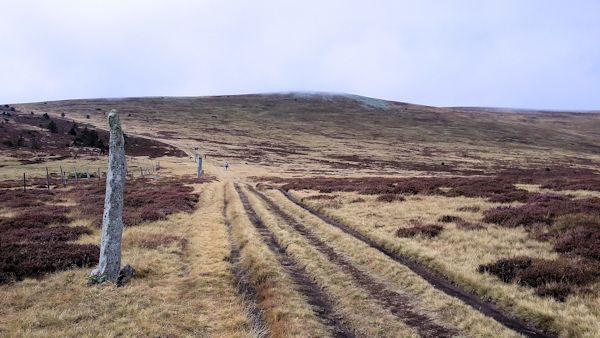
[(365, 314), (286, 312), (436, 303), (232, 127), (189, 290), (177, 291), (12, 169), (574, 193), (457, 253)]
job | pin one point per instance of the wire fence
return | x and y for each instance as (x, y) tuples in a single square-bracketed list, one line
[(74, 175)]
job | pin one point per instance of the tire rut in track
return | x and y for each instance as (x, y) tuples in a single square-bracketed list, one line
[(318, 300), (398, 304), (243, 286), (437, 281)]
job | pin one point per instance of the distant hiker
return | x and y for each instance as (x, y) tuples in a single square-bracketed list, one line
[(226, 165)]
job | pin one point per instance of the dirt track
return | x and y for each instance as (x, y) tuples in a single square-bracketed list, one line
[(398, 304), (243, 285), (319, 301), (430, 276)]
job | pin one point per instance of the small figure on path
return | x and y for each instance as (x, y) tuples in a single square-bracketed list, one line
[(226, 165)]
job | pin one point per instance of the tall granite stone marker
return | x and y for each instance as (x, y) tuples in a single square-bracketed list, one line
[(112, 219), (198, 165)]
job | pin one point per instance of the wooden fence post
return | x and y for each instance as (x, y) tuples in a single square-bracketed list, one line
[(47, 179), (24, 183), (62, 176)]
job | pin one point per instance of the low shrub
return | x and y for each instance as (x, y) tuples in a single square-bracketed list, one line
[(491, 187), (555, 278), (558, 291), (430, 231), (320, 197), (39, 219), (449, 219), (145, 200), (507, 268), (21, 260), (466, 225), (30, 248), (390, 198), (561, 270), (543, 209), (473, 208), (52, 234), (17, 198), (581, 240)]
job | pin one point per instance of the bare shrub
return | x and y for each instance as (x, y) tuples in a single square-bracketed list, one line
[(558, 291), (144, 200), (473, 208), (35, 219), (52, 234), (491, 187), (390, 198), (29, 248), (506, 268), (543, 209), (555, 278), (430, 231), (581, 240), (18, 261), (449, 219), (320, 197), (466, 225)]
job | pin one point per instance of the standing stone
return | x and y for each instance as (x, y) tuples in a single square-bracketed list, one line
[(112, 219), (199, 164), (47, 179), (62, 176)]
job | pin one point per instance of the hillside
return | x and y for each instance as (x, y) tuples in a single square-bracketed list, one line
[(346, 131), (338, 216)]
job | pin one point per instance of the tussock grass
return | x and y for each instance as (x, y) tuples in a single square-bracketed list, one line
[(457, 254), (286, 311), (444, 308), (354, 304), (177, 291)]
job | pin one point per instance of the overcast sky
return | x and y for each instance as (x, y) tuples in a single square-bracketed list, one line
[(508, 53)]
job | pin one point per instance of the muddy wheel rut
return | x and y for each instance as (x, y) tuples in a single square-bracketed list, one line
[(432, 277), (319, 301), (398, 304), (243, 286)]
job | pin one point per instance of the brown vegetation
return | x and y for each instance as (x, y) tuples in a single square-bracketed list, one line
[(430, 230), (473, 208), (62, 137), (496, 190), (556, 278), (448, 219), (155, 241), (390, 198), (29, 247), (145, 200)]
